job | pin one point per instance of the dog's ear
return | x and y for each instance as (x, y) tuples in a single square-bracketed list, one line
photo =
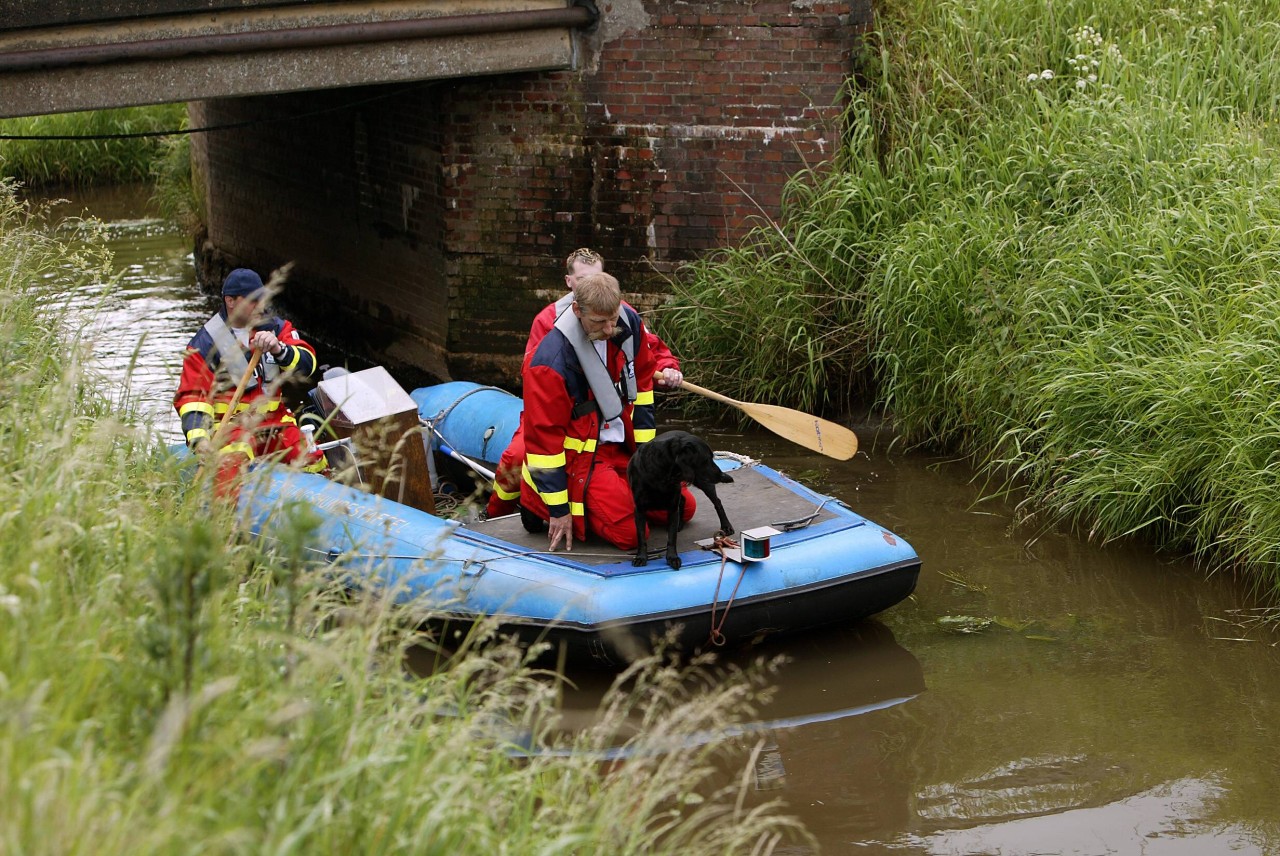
[(688, 458)]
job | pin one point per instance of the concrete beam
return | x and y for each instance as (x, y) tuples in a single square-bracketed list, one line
[(267, 51)]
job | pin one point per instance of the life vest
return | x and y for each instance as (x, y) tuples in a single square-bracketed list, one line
[(608, 397), (231, 352)]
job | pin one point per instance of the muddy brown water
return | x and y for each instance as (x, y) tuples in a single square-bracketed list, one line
[(1038, 694)]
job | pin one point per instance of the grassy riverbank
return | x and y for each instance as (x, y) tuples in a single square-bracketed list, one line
[(98, 148), (168, 687), (1052, 243)]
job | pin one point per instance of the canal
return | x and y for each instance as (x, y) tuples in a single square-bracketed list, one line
[(1038, 694)]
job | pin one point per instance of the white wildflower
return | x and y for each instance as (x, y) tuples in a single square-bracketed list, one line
[(1047, 74), (1032, 77), (1081, 84)]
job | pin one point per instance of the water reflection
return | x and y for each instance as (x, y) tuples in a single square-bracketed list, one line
[(830, 675), (1170, 819), (1098, 709), (818, 743)]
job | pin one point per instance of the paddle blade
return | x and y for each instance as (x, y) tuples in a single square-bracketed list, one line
[(819, 435)]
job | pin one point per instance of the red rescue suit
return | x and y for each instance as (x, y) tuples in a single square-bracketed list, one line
[(506, 479), (205, 390), (567, 470)]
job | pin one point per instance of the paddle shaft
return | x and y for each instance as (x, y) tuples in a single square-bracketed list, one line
[(714, 396), (235, 400), (819, 435), (239, 393)]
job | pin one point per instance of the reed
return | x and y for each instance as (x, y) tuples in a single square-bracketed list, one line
[(168, 686), (179, 191), (82, 162), (1050, 242)]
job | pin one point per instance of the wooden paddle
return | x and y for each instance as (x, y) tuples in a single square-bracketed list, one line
[(820, 435), (239, 393)]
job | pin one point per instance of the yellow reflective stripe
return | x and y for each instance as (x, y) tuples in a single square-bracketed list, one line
[(559, 497), (502, 494), (644, 435), (196, 407), (288, 420), (316, 466), (195, 434), (544, 462), (577, 509), (644, 398), (262, 406), (240, 448), (297, 355), (573, 444)]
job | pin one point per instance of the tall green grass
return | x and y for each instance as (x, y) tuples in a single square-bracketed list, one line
[(84, 162), (168, 686), (179, 190), (1050, 243)]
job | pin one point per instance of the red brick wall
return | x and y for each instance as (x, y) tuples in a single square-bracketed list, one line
[(442, 211)]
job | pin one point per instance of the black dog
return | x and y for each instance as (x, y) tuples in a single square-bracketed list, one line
[(656, 472)]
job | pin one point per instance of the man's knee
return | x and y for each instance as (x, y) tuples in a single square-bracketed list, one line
[(619, 533)]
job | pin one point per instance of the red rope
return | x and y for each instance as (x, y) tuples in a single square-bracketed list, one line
[(720, 544)]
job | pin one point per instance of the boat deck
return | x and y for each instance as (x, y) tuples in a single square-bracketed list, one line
[(751, 500)]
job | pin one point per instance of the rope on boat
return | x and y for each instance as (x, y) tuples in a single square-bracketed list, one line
[(445, 412), (431, 423), (745, 460), (720, 544), (445, 501), (334, 555), (800, 522)]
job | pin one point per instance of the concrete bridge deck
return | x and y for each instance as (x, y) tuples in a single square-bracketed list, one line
[(66, 55)]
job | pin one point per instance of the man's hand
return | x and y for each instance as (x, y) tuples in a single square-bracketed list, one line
[(561, 528), (266, 341), (670, 379)]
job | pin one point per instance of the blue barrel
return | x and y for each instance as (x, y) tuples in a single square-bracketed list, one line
[(476, 420)]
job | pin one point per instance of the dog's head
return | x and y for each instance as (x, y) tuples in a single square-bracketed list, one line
[(696, 461)]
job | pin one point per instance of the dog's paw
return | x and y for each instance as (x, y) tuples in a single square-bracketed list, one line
[(673, 561), (639, 561)]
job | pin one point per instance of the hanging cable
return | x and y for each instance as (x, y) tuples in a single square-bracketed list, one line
[(229, 126)]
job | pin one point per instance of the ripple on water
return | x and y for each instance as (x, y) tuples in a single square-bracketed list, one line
[(138, 323)]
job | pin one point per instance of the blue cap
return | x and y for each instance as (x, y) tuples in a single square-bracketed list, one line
[(242, 282)]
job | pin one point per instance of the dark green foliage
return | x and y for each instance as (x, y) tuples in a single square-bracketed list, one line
[(186, 574), (1052, 239), (78, 163)]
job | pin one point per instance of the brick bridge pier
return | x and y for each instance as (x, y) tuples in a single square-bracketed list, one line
[(428, 221)]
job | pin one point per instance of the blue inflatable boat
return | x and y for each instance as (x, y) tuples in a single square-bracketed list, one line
[(805, 560)]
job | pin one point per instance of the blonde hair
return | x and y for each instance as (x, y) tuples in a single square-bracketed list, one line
[(584, 255), (598, 292)]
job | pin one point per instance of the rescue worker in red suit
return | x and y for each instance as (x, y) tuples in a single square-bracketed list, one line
[(588, 403), (581, 262), (217, 358)]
